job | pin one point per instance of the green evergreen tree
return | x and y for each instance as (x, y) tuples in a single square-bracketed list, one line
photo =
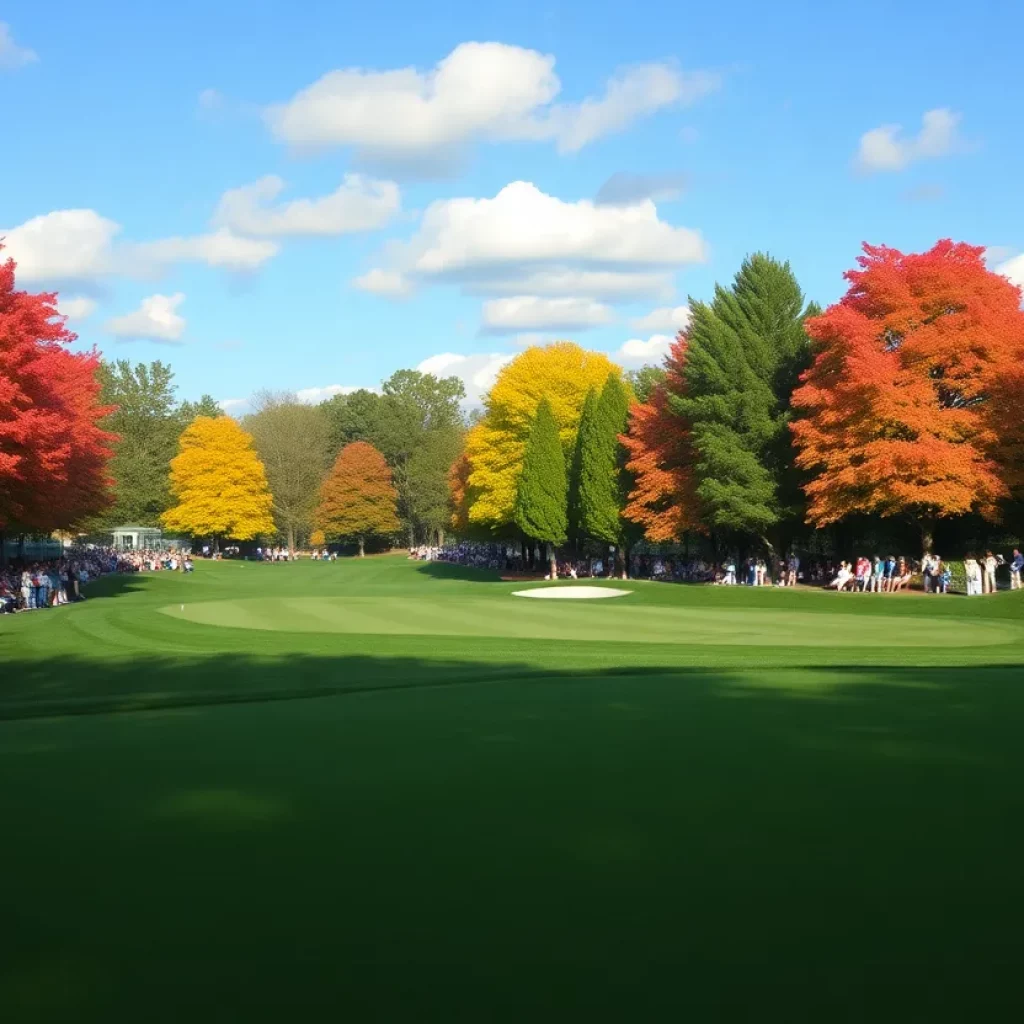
[(576, 533), (746, 350), (601, 485), (543, 490)]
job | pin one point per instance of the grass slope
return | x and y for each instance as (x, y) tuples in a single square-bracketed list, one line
[(721, 804)]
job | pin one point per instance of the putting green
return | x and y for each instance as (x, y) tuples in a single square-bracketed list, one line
[(504, 617)]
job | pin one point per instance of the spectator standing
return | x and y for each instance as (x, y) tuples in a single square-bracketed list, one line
[(989, 566), (1016, 568), (972, 570)]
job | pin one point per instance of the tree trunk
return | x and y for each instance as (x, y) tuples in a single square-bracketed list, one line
[(552, 562), (216, 544), (362, 548), (291, 543), (927, 528), (622, 562)]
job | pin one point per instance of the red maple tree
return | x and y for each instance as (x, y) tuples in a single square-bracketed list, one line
[(53, 453), (358, 499), (660, 456), (900, 412)]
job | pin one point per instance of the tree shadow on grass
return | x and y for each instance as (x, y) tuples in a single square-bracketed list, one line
[(451, 571), (490, 841)]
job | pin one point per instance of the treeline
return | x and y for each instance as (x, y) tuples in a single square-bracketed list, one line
[(770, 424), (899, 406), (270, 474)]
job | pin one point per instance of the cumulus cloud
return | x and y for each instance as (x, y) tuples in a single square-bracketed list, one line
[(314, 396), (1013, 269), (384, 282), (479, 92), (222, 249), (665, 318), (156, 319), (81, 247), (637, 352), (477, 372), (13, 56), (532, 313), (358, 204), (887, 148), (624, 189), (524, 231), (77, 307), (233, 405), (62, 246), (633, 93)]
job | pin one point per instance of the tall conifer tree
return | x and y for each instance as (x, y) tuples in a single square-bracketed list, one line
[(542, 493), (745, 352), (602, 487)]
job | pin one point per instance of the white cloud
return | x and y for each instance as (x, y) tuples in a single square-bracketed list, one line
[(156, 319), (478, 372), (384, 282), (222, 249), (480, 91), (600, 284), (531, 313), (233, 405), (522, 230), (77, 307), (633, 93), (79, 246), (665, 318), (314, 396), (887, 148), (358, 204), (637, 352), (1013, 269), (13, 56), (62, 246)]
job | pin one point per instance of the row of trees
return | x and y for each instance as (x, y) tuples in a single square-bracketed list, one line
[(900, 402), (220, 488), (769, 416)]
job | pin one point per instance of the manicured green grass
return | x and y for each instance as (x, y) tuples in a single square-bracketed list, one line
[(687, 803)]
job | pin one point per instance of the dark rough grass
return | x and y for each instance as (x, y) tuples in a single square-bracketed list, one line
[(500, 831)]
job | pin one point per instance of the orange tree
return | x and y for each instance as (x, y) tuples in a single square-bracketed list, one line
[(896, 414), (218, 483), (660, 457), (358, 499)]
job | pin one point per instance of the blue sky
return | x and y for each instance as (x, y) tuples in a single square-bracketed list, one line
[(310, 196)]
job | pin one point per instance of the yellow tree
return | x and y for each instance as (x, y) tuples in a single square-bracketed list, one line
[(219, 483), (563, 373)]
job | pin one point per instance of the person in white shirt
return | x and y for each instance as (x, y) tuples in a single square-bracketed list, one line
[(973, 573), (842, 577), (990, 565)]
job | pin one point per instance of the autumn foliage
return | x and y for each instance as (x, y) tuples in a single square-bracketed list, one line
[(563, 373), (660, 457), (900, 412), (218, 483), (53, 453), (358, 499)]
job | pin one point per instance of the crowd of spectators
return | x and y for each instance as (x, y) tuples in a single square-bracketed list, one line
[(37, 585), (880, 575)]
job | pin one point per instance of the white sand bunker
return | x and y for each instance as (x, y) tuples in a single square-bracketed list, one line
[(572, 593)]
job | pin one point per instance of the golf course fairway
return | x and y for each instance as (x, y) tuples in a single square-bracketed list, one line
[(377, 790)]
